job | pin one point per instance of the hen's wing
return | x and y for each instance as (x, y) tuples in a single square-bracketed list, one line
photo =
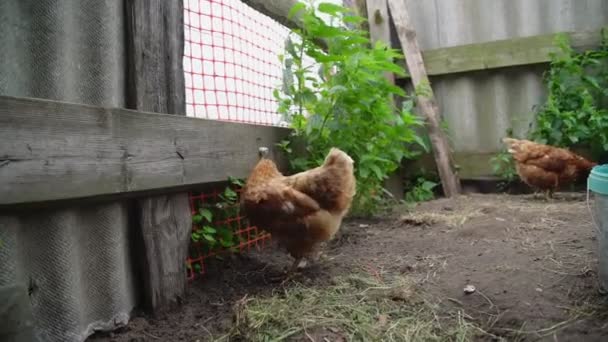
[(546, 157), (330, 187), (553, 160), (276, 199)]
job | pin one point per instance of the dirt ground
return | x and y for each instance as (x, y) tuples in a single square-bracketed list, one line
[(533, 264)]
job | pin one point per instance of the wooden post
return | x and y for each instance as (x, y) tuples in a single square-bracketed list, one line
[(155, 43), (359, 8), (425, 97), (379, 30), (379, 26)]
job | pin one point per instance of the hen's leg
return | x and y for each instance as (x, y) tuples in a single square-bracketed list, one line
[(294, 266), (291, 271)]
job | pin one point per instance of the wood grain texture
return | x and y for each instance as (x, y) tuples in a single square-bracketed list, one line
[(425, 98), (379, 26), (379, 30), (502, 53), (166, 223), (53, 150), (276, 9), (378, 20), (155, 43)]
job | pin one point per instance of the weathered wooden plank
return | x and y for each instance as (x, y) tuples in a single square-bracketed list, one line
[(379, 30), (471, 165), (378, 20), (501, 53), (358, 7), (166, 224), (379, 25), (53, 150), (425, 98), (155, 31), (276, 9), (155, 45)]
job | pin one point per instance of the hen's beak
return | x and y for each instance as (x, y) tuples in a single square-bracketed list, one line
[(263, 152)]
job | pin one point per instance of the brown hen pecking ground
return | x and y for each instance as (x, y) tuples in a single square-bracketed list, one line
[(533, 264)]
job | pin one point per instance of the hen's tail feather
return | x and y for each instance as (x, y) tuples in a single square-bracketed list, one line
[(512, 144), (335, 156), (508, 140)]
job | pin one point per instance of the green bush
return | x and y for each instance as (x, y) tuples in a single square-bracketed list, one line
[(344, 100), (576, 110)]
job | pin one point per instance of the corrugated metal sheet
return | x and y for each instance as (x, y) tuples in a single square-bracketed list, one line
[(77, 258), (480, 106)]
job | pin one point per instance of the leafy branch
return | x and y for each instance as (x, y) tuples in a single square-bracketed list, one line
[(212, 227), (342, 99), (576, 109)]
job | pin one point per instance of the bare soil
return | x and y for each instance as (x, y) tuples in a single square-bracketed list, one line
[(533, 264)]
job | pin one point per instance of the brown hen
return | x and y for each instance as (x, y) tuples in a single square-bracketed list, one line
[(303, 210), (547, 167)]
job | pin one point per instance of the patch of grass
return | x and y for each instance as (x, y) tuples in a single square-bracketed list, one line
[(450, 218), (354, 308)]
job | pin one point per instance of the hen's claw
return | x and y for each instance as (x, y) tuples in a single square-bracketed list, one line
[(549, 195), (291, 271)]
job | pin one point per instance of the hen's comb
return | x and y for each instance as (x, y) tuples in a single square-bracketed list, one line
[(263, 151)]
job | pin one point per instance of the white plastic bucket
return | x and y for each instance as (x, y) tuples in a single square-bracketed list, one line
[(597, 183)]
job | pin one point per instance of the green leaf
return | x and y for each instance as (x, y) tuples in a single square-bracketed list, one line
[(337, 88), (195, 237), (225, 232), (209, 237), (295, 9), (206, 213), (379, 174), (197, 219), (354, 19), (209, 230), (328, 32), (422, 143), (591, 81), (396, 90), (226, 243), (573, 139), (428, 185), (236, 181), (364, 172), (407, 106), (331, 9), (230, 194)]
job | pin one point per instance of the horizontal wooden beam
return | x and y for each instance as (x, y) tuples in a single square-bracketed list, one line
[(501, 53), (277, 10), (471, 165), (54, 151)]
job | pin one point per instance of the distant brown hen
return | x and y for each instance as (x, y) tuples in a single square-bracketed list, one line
[(546, 167)]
